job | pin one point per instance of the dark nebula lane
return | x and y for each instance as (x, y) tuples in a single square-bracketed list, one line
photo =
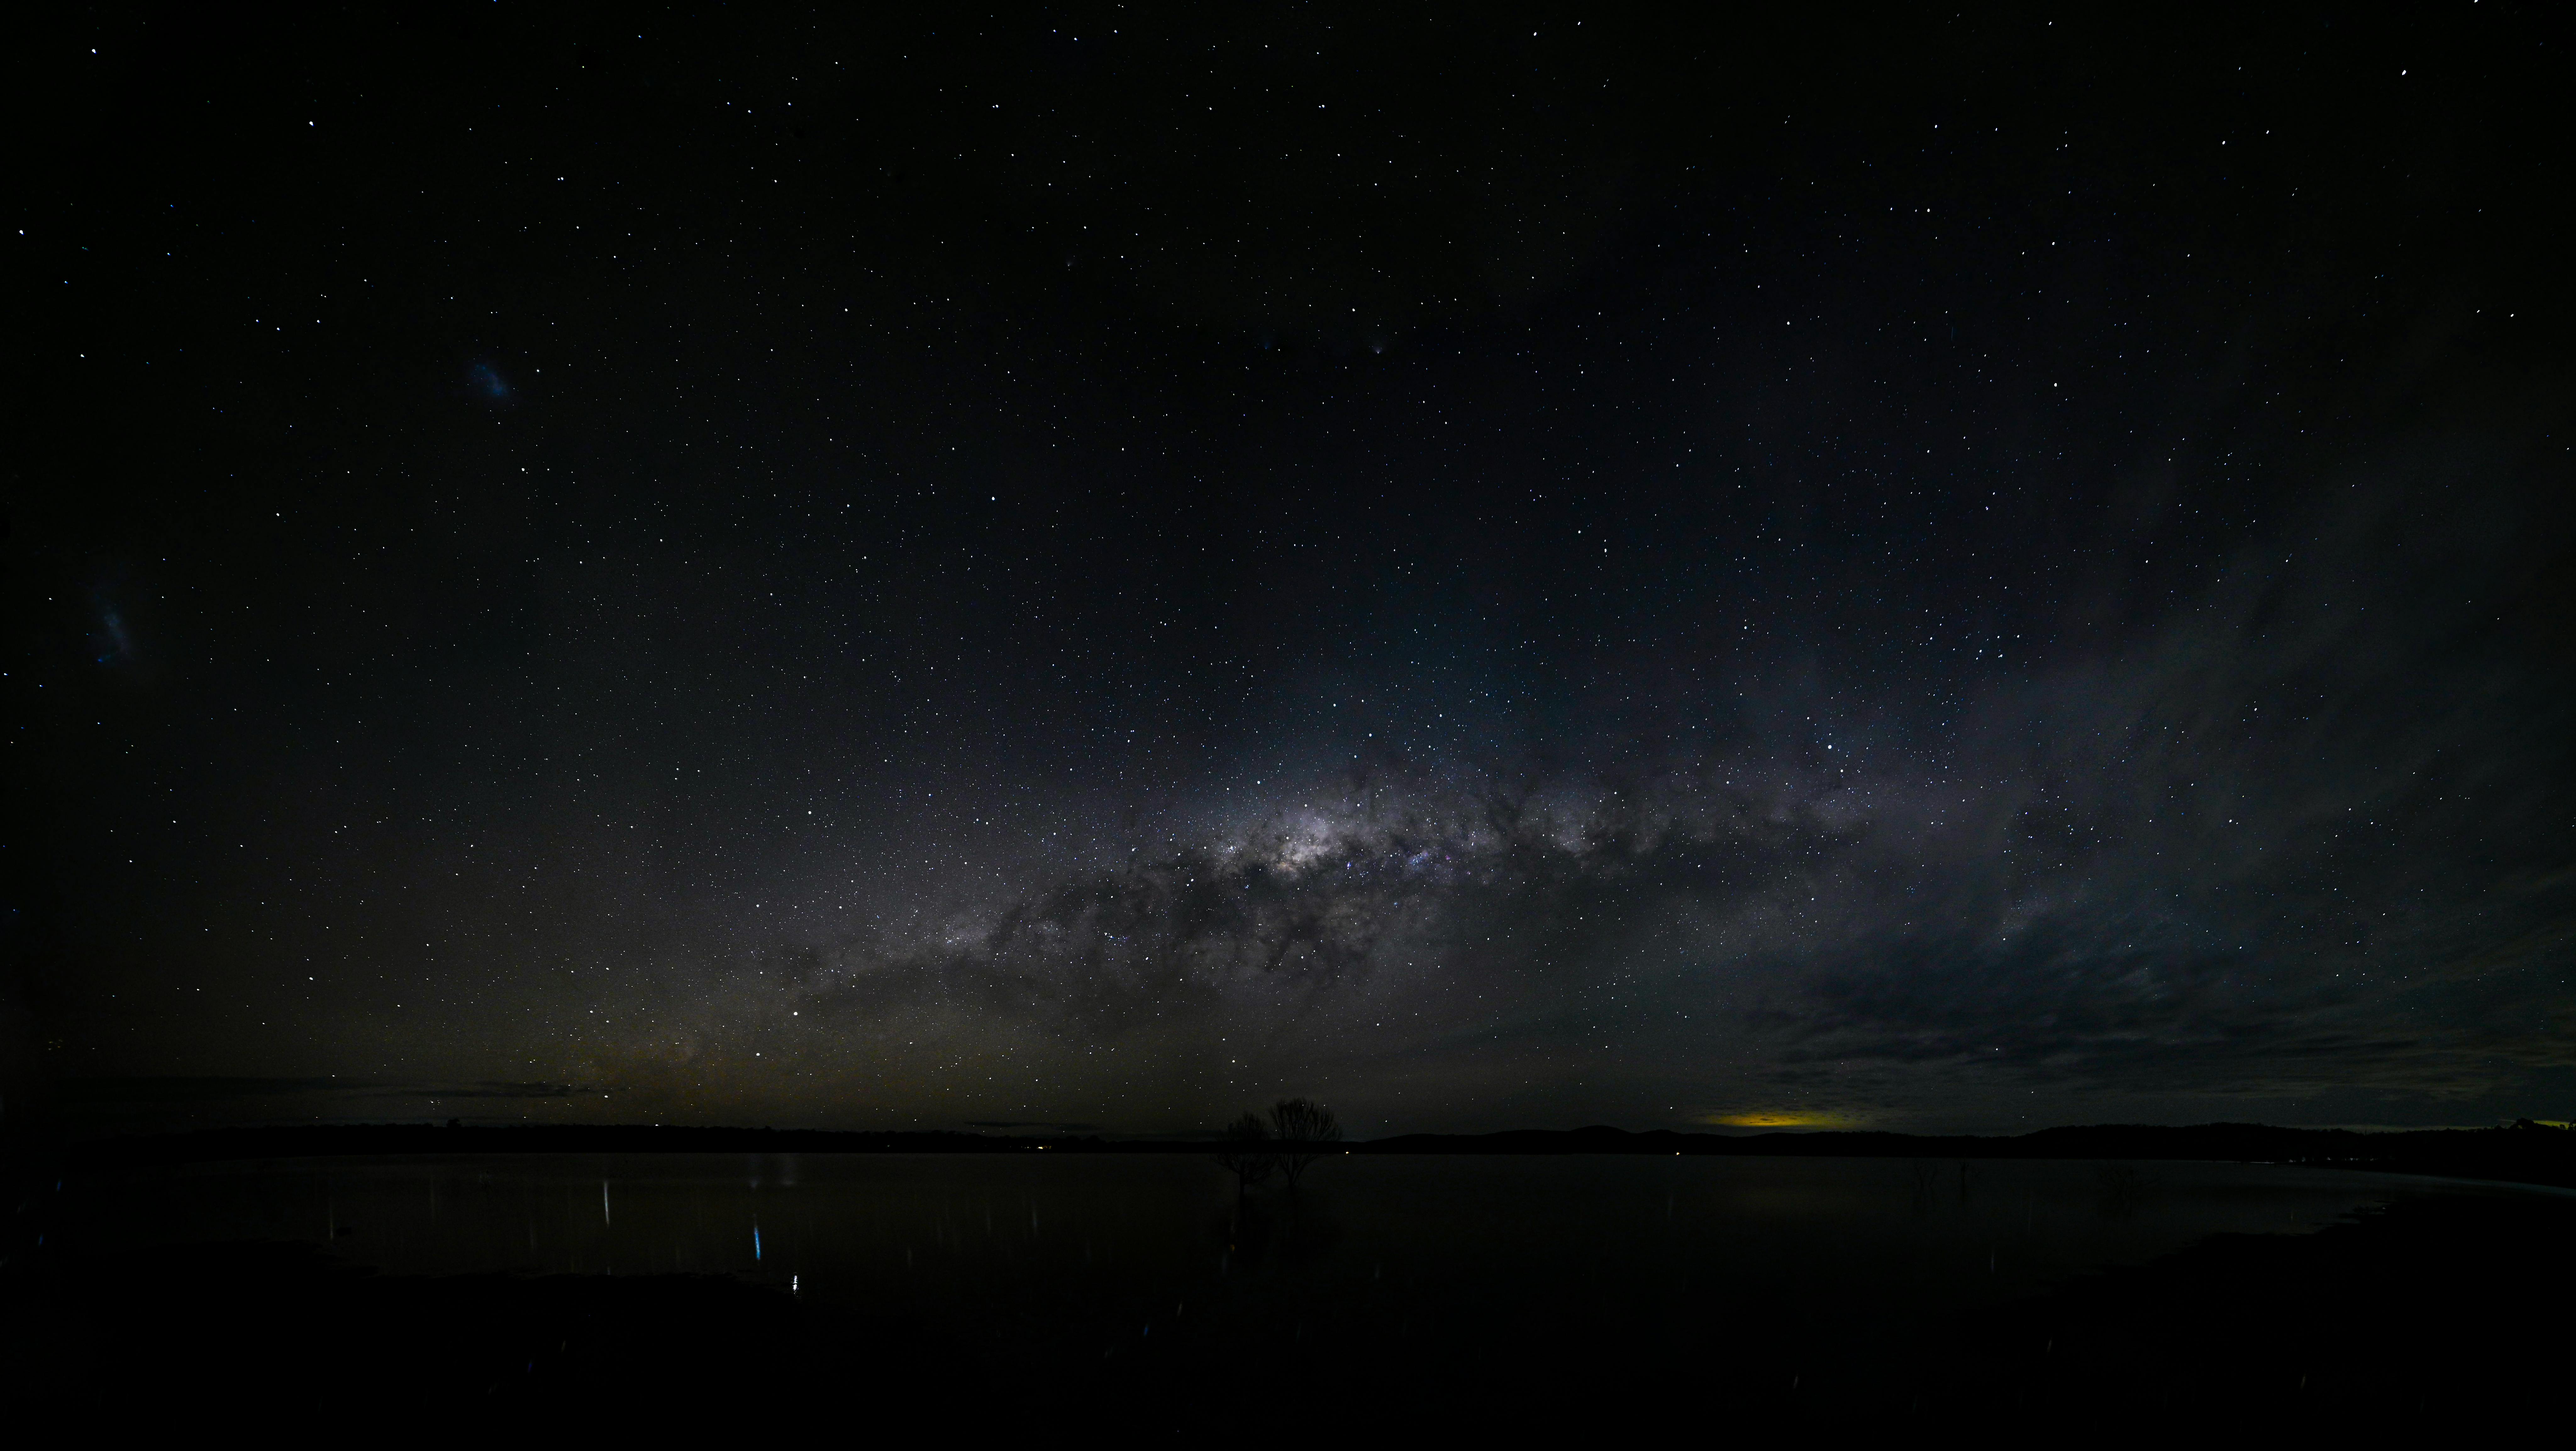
[(1943, 574)]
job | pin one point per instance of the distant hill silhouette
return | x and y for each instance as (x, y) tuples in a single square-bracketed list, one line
[(2524, 1152)]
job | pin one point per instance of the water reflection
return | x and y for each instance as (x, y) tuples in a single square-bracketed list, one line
[(1268, 1233), (2122, 1189), (1097, 1249), (1800, 1281)]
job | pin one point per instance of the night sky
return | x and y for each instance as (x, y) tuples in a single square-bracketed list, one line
[(1097, 567)]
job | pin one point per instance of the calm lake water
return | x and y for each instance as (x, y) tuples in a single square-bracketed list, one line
[(1084, 1253)]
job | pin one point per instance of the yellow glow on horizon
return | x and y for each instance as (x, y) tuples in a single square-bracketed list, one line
[(1788, 1119)]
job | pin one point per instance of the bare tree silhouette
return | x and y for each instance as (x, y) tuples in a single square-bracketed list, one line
[(1246, 1153), (1301, 1128)]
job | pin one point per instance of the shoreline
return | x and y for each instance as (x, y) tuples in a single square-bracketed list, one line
[(2526, 1155)]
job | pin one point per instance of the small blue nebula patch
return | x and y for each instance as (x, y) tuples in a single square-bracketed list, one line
[(488, 384), (113, 641)]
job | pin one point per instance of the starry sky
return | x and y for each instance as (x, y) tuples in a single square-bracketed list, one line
[(1501, 568)]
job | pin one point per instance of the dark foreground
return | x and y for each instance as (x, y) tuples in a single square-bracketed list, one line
[(2438, 1312)]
